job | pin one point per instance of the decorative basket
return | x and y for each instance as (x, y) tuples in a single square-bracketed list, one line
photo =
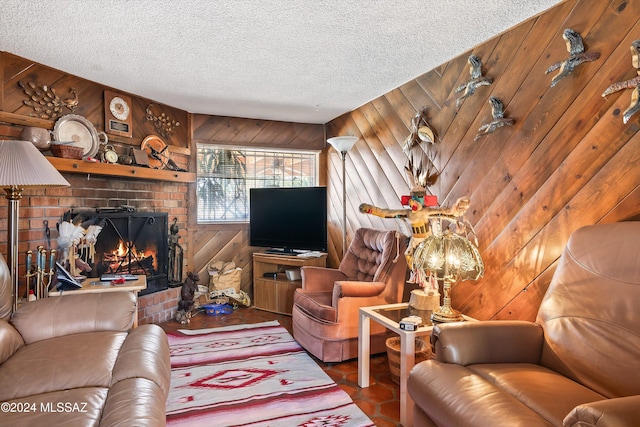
[(423, 352), (67, 151), (217, 309)]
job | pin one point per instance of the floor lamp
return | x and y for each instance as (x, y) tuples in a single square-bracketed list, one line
[(22, 166), (342, 144)]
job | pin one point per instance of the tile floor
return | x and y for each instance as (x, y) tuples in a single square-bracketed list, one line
[(379, 401)]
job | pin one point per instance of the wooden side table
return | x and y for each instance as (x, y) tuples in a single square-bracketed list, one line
[(90, 285)]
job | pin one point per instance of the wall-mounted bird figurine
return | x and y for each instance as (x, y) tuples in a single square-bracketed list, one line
[(575, 47), (72, 103), (629, 84), (477, 79), (44, 101), (497, 111)]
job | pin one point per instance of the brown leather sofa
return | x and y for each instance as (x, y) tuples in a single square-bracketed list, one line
[(325, 310), (577, 365), (74, 361)]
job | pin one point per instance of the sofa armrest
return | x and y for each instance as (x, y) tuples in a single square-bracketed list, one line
[(74, 314), (344, 288), (144, 354), (10, 341), (499, 341), (621, 411), (320, 278)]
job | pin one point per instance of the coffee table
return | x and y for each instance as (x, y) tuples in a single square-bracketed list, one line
[(389, 316)]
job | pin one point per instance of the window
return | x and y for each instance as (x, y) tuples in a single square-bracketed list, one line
[(225, 175)]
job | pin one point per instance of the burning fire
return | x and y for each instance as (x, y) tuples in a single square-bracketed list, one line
[(121, 251), (126, 257)]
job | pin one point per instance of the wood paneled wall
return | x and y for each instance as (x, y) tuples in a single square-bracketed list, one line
[(230, 242), (568, 161), (15, 69)]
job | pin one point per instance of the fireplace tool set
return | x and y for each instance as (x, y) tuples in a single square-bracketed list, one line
[(39, 273)]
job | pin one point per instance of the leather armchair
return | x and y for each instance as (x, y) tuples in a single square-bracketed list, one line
[(577, 365), (325, 309)]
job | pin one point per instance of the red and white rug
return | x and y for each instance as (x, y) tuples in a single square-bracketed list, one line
[(252, 375)]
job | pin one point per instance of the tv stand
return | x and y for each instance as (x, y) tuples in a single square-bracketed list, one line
[(275, 294)]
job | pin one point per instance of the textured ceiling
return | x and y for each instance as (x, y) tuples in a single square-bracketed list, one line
[(292, 60)]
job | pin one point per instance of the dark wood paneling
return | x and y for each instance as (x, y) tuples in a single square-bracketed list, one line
[(568, 160)]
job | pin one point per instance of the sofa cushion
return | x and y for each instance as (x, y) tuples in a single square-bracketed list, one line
[(72, 361), (590, 310), (75, 314), (10, 340), (548, 393), (452, 395), (316, 304)]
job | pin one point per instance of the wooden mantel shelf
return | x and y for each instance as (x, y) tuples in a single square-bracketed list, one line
[(81, 166)]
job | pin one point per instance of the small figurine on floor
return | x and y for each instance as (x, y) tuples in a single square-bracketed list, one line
[(185, 305)]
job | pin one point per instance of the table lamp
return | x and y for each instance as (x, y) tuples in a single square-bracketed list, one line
[(450, 257), (22, 166)]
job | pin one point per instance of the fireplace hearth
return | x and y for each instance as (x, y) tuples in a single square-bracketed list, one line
[(130, 242)]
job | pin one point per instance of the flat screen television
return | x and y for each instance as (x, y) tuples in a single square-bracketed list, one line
[(288, 220)]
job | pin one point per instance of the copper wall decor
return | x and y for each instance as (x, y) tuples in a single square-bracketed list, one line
[(44, 101), (497, 111), (575, 47), (164, 124), (477, 79), (629, 84)]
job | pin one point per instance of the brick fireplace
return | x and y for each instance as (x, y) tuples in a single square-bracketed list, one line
[(88, 192), (129, 242)]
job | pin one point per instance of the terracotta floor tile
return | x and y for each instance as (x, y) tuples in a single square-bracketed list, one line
[(390, 410), (379, 401)]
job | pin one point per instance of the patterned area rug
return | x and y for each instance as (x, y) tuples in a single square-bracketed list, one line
[(252, 375)]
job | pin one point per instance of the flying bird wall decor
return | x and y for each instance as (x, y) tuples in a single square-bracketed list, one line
[(577, 56), (629, 84), (497, 111), (477, 80)]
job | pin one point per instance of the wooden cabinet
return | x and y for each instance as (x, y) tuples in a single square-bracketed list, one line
[(275, 292)]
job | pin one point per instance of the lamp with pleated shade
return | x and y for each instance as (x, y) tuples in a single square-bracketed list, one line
[(22, 166)]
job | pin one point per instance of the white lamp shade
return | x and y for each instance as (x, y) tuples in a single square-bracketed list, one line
[(22, 165), (342, 143)]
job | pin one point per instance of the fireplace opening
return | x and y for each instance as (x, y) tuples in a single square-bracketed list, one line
[(129, 242)]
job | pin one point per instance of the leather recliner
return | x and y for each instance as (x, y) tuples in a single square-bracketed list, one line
[(577, 365), (326, 308), (73, 360)]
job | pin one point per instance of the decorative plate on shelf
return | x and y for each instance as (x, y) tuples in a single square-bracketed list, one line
[(156, 149), (78, 131)]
